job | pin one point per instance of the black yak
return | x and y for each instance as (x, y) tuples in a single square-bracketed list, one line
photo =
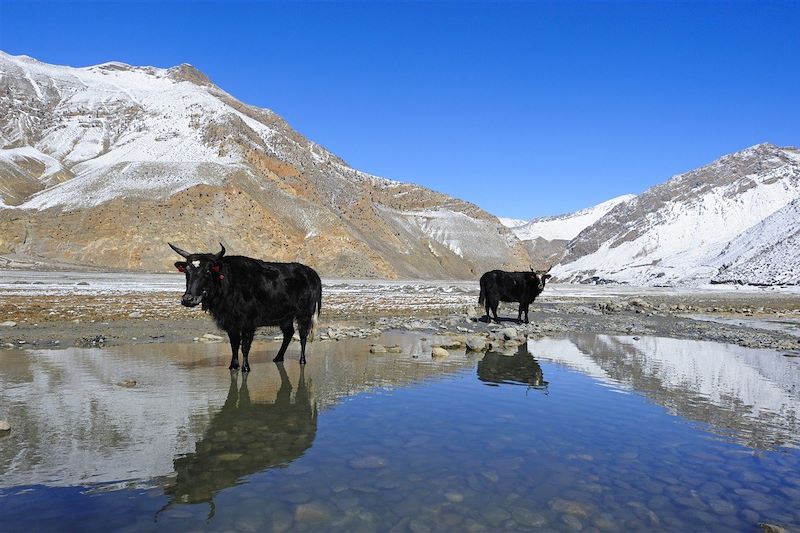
[(243, 294)]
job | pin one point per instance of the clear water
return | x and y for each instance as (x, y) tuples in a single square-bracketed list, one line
[(582, 432)]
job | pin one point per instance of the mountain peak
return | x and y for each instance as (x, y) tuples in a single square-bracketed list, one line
[(190, 73)]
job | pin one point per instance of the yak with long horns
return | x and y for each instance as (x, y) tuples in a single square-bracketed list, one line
[(243, 294)]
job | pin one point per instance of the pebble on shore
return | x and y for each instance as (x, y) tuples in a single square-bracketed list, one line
[(438, 351)]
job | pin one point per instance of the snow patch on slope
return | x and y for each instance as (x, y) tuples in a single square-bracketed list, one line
[(128, 180), (456, 231), (512, 222), (18, 155)]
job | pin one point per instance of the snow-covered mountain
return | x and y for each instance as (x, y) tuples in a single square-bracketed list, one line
[(566, 227), (102, 165), (546, 238), (733, 220)]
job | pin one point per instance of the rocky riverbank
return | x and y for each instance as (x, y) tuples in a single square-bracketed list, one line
[(752, 320)]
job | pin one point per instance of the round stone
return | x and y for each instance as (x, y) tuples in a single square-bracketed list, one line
[(438, 351)]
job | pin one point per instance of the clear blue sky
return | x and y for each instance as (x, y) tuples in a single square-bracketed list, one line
[(525, 109)]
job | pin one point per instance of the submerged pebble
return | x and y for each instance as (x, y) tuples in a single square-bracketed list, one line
[(368, 462), (527, 517), (312, 512)]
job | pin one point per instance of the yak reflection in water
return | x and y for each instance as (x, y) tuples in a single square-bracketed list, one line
[(518, 369), (245, 438)]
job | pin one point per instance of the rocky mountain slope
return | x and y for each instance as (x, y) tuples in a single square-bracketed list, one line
[(734, 220), (100, 166), (546, 238), (766, 254)]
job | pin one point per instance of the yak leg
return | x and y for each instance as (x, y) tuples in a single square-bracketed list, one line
[(527, 305), (494, 305), (235, 339), (247, 340), (288, 330), (303, 325), (519, 312)]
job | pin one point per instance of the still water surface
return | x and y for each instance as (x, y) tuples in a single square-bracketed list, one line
[(581, 432)]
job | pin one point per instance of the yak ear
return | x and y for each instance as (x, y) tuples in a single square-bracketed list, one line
[(547, 276), (181, 266)]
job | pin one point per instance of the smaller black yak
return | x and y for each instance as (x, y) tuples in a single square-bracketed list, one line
[(501, 286), (243, 294)]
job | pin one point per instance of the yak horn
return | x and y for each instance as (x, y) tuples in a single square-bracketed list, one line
[(220, 254), (179, 251)]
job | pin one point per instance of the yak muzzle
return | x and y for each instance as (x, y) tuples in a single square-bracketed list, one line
[(190, 301)]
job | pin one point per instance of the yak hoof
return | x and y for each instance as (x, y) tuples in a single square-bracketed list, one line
[(234, 367), (246, 368)]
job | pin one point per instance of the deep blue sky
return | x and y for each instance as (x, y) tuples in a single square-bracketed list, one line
[(525, 109)]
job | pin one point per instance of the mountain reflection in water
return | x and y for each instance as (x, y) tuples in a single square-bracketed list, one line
[(246, 437), (743, 394), (517, 369)]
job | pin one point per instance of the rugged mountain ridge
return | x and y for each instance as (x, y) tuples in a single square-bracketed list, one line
[(707, 224), (100, 166)]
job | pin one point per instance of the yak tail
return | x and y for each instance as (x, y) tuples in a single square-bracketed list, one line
[(481, 296), (315, 316)]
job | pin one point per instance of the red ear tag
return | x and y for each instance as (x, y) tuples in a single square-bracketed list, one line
[(181, 268), (221, 277)]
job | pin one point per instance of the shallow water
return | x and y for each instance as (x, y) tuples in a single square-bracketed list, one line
[(596, 432)]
